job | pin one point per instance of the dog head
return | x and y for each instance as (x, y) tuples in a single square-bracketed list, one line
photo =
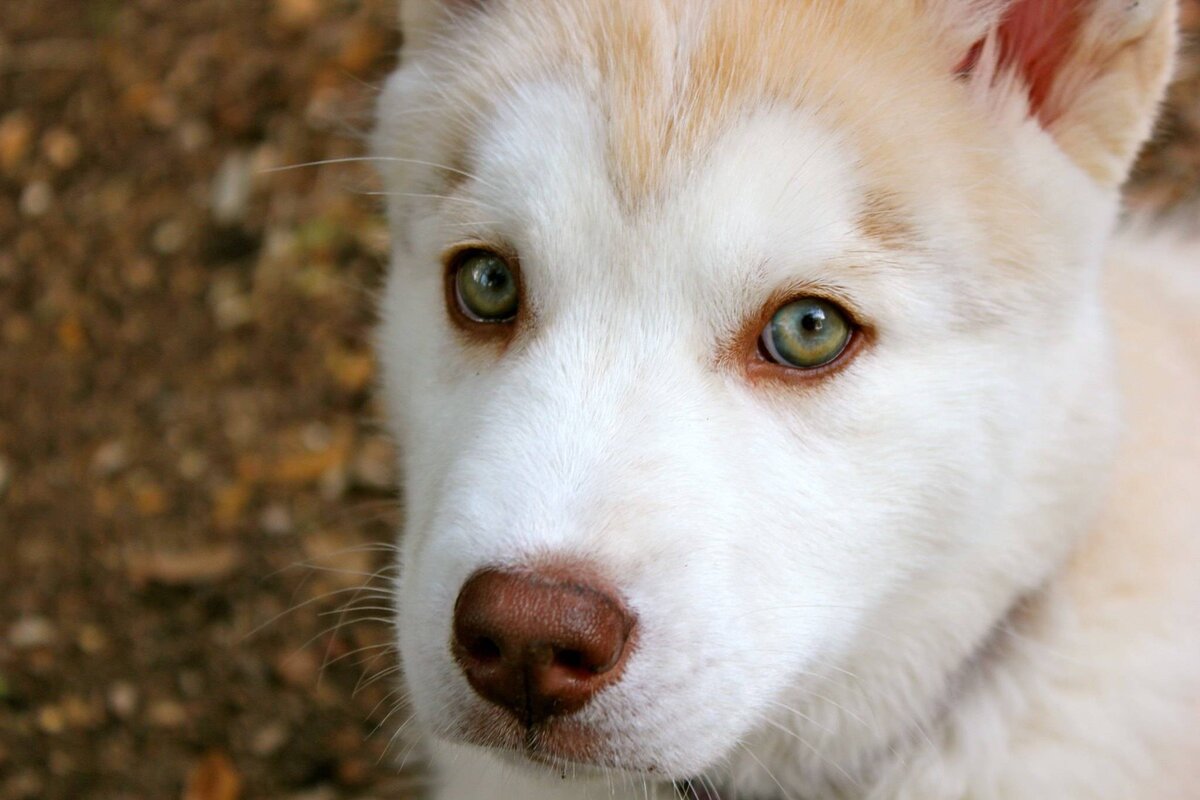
[(735, 345)]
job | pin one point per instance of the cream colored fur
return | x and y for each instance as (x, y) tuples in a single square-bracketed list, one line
[(965, 566)]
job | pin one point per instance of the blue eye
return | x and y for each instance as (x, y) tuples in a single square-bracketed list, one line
[(807, 333), (485, 287)]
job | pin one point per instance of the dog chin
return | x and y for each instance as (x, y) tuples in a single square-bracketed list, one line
[(541, 764), (556, 748)]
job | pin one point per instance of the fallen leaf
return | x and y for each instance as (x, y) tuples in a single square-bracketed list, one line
[(214, 777), (229, 504), (185, 567), (16, 133), (305, 467), (352, 370), (150, 500), (71, 335)]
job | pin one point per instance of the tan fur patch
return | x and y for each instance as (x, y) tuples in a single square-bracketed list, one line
[(666, 77), (884, 222)]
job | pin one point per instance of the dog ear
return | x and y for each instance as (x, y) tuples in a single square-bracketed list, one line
[(1091, 72)]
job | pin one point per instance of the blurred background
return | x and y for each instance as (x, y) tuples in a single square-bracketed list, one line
[(194, 482)]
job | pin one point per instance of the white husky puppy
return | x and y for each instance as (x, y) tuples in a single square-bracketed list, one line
[(778, 418)]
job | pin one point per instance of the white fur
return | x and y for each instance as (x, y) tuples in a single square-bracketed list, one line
[(815, 572)]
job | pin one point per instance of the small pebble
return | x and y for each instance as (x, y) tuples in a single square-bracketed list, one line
[(316, 437), (194, 135), (61, 148), (276, 520), (140, 273), (192, 464), (233, 312), (36, 199), (269, 739), (230, 192), (122, 699), (110, 458), (92, 639), (169, 237), (166, 714), (162, 111), (298, 668), (297, 14), (373, 465), (230, 306), (79, 713), (32, 632), (333, 483), (51, 720)]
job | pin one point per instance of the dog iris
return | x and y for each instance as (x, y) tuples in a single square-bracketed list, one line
[(807, 333), (486, 287)]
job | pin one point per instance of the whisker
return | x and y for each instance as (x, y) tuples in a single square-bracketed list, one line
[(470, 201), (313, 565), (356, 651), (399, 704), (393, 670), (387, 160), (812, 748), (358, 608), (389, 697), (787, 795), (297, 607), (345, 609), (824, 728)]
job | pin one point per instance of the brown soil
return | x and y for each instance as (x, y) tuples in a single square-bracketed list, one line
[(189, 444)]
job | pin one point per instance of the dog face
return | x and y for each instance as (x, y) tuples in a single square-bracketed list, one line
[(779, 320)]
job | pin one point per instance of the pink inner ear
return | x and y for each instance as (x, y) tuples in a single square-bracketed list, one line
[(1035, 38)]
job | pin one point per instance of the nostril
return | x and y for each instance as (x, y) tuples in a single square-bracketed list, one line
[(573, 661), (483, 650)]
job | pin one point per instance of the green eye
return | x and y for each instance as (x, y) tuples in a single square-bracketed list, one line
[(485, 287), (807, 333)]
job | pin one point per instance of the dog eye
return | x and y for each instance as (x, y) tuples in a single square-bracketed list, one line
[(806, 334), (485, 286)]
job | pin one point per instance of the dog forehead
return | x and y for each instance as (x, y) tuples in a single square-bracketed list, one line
[(619, 105), (774, 187), (667, 77)]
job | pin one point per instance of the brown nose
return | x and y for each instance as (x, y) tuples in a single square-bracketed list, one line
[(539, 645)]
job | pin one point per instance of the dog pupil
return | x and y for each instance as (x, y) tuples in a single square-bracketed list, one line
[(494, 278), (812, 321)]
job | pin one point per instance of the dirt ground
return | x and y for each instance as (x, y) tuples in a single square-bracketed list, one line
[(193, 478)]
